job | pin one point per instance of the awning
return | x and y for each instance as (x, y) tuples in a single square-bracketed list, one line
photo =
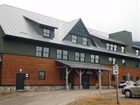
[(83, 65)]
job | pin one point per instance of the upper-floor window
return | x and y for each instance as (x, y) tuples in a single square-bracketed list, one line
[(137, 52), (42, 75), (46, 32), (94, 59), (115, 47), (77, 56), (59, 54), (65, 54), (122, 49), (42, 51), (107, 46), (45, 52), (112, 60), (85, 41), (123, 62), (74, 39), (111, 47), (38, 51), (82, 57)]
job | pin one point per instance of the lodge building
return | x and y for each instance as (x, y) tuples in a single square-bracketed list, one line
[(40, 52)]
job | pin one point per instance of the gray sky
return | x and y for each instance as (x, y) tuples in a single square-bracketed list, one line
[(104, 15)]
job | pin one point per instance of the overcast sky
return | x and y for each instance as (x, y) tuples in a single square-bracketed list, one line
[(104, 15)]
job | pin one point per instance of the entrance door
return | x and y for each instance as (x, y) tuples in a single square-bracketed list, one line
[(20, 81), (85, 81)]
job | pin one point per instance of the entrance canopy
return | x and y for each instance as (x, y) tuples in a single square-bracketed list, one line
[(83, 65)]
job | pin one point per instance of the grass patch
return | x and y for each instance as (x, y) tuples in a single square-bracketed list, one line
[(106, 99)]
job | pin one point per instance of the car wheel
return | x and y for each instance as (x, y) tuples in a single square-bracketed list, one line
[(128, 94)]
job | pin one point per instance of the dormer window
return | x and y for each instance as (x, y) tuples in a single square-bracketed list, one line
[(46, 32), (85, 41), (137, 52), (74, 39), (122, 49)]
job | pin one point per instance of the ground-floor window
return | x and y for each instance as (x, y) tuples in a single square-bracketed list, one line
[(42, 75)]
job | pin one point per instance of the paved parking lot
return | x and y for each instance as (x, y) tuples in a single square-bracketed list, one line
[(59, 97)]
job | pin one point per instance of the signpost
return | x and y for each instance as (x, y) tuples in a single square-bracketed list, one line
[(100, 83), (116, 72)]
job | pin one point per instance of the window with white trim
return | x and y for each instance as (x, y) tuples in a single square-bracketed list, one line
[(42, 75), (107, 46), (97, 58), (65, 54), (111, 47), (114, 61), (74, 39), (122, 49), (115, 47), (59, 54), (45, 52), (77, 56), (38, 51), (85, 41), (82, 57), (46, 32), (92, 58), (137, 52)]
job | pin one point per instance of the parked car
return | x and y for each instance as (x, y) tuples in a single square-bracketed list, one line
[(125, 83), (132, 90)]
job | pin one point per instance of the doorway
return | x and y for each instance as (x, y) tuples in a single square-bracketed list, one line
[(20, 81), (85, 81)]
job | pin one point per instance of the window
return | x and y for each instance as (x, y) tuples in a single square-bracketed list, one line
[(82, 57), (92, 57), (122, 49), (96, 59), (123, 62), (85, 41), (114, 61), (45, 52), (111, 47), (46, 32), (65, 54), (115, 47), (107, 46), (62, 75), (59, 54), (137, 52), (38, 51), (74, 39), (77, 56), (42, 75)]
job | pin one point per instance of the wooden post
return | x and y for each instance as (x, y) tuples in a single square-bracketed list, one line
[(67, 85), (100, 81), (80, 78), (117, 90)]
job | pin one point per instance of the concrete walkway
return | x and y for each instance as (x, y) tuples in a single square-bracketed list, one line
[(59, 97)]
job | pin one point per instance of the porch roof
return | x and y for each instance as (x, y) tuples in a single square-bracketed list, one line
[(83, 65)]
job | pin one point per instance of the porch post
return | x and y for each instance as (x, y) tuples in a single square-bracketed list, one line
[(80, 77), (67, 78), (109, 79), (100, 81)]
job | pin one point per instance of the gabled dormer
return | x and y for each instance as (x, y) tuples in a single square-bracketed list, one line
[(78, 34)]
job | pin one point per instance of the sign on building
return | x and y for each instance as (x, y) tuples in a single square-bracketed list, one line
[(116, 69)]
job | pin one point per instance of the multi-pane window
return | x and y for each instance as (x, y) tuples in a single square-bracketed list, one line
[(123, 62), (45, 52), (85, 41), (97, 59), (38, 51), (112, 60), (137, 52), (122, 49), (115, 47), (92, 58), (74, 39), (59, 54), (65, 54), (111, 47), (46, 32), (107, 46), (42, 75), (82, 57), (77, 56)]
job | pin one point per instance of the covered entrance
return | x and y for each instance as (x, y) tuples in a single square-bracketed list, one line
[(84, 72)]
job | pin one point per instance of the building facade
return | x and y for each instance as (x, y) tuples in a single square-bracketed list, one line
[(54, 54)]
